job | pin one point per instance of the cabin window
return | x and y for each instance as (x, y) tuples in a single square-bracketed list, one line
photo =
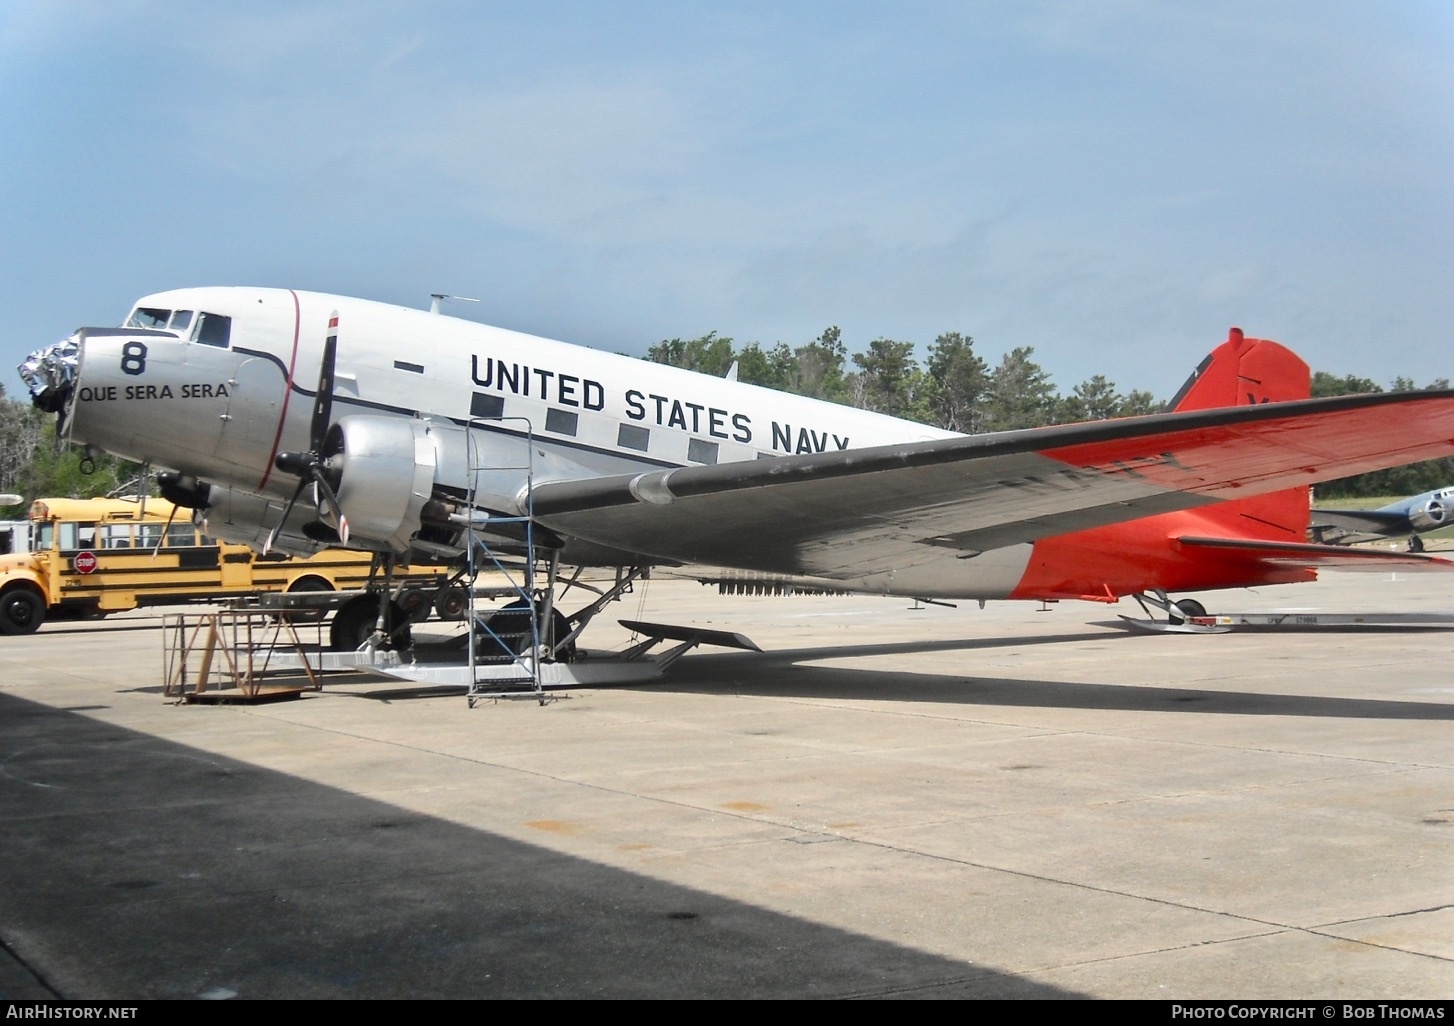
[(148, 317), (487, 407), (214, 330), (561, 422), (629, 436), (699, 451)]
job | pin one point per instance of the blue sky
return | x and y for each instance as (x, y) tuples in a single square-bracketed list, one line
[(1111, 183)]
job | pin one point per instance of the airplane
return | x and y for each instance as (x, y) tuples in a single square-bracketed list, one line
[(1412, 516), (292, 420)]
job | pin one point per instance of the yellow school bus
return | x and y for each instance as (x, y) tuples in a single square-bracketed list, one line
[(90, 557)]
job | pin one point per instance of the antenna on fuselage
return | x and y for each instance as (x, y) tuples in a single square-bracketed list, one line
[(435, 298)]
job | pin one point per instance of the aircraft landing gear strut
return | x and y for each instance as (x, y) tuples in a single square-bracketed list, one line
[(374, 619)]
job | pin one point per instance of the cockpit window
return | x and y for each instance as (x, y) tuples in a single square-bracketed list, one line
[(214, 330), (148, 317), (181, 321)]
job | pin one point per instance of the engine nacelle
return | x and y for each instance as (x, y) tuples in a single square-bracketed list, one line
[(183, 490), (246, 518), (1432, 514), (383, 473)]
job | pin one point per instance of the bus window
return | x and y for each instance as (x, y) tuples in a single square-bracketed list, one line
[(116, 536), (73, 536), (181, 536), (148, 536)]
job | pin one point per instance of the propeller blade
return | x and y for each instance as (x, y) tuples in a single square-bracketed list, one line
[(323, 401), (308, 466), (142, 489), (162, 537), (330, 502), (273, 534)]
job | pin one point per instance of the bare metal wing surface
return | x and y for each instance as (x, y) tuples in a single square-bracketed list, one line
[(873, 510)]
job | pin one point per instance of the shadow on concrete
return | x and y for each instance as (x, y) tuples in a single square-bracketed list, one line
[(781, 674), (54, 627), (134, 867)]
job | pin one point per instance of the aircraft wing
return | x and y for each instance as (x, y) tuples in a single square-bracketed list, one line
[(856, 512), (1348, 526)]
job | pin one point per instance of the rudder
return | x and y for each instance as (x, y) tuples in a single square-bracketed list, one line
[(1245, 372)]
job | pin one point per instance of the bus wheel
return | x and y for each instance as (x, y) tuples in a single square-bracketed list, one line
[(415, 603), (356, 619), (451, 604), (22, 611), (300, 586)]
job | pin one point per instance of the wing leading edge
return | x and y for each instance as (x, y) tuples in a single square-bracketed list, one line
[(858, 512)]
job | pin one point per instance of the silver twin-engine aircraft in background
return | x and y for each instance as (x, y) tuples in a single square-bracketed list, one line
[(294, 420), (1414, 517)]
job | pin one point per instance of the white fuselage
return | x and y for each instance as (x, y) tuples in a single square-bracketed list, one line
[(222, 413)]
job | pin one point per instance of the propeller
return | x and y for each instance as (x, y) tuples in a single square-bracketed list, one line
[(311, 467)]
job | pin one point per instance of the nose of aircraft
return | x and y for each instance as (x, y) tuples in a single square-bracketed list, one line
[(50, 373)]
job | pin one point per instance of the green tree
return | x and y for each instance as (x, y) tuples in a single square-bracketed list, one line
[(1021, 394), (818, 367), (958, 384), (34, 465), (1138, 403), (709, 354), (1093, 399), (1325, 385), (22, 428), (771, 368), (888, 380)]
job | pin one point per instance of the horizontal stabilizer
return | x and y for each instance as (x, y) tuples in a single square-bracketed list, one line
[(1329, 557)]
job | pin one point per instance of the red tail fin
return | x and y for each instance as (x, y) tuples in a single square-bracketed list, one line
[(1249, 371), (1245, 372)]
